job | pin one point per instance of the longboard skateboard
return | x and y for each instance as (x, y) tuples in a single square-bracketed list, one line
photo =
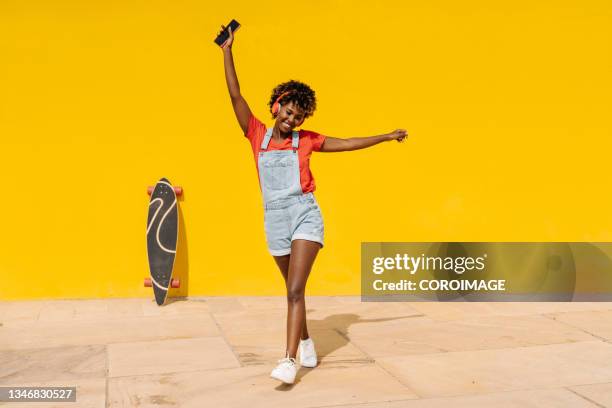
[(162, 237)]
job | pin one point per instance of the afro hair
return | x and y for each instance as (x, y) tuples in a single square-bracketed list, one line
[(299, 93)]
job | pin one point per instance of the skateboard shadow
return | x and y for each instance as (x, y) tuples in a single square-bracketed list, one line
[(181, 262), (328, 344)]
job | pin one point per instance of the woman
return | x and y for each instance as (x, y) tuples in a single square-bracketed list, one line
[(292, 219)]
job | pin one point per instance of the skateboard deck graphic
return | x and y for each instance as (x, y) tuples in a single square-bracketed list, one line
[(162, 237)]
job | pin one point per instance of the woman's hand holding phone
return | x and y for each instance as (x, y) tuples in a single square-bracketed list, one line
[(230, 38)]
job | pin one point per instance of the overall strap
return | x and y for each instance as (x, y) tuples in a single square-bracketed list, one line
[(295, 140), (266, 140)]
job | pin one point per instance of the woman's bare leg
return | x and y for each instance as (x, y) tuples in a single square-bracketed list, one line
[(303, 254), (283, 265)]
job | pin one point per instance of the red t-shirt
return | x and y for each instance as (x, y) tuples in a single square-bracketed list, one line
[(309, 142)]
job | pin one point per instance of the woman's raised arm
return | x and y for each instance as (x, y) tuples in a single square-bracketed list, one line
[(241, 108)]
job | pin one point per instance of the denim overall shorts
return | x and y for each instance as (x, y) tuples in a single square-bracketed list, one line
[(288, 213)]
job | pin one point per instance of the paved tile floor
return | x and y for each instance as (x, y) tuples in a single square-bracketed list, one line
[(218, 352)]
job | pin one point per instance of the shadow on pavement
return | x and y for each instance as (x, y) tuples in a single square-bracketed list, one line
[(338, 325)]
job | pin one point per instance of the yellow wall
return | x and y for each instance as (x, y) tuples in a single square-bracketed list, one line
[(507, 105)]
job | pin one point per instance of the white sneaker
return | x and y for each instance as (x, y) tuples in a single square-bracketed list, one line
[(285, 371), (308, 355)]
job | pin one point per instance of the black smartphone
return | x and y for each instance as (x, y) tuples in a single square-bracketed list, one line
[(224, 35)]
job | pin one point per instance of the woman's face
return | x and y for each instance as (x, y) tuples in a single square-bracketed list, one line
[(289, 117)]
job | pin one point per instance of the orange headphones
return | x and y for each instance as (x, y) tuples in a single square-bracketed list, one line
[(276, 105)]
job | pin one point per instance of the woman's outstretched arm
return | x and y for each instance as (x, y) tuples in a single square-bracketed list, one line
[(333, 144), (241, 108)]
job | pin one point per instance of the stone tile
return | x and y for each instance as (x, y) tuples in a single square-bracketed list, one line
[(251, 303), (255, 321), (280, 302), (472, 372), (166, 356), (337, 317), (220, 304), (444, 311), (421, 335), (252, 387), (57, 311), (268, 347), (91, 309), (372, 310), (175, 307), (522, 308), (351, 300), (600, 393), (125, 307), (64, 310), (20, 310), (83, 332), (550, 398), (598, 323), (60, 363), (348, 315), (258, 348), (318, 302), (90, 393)]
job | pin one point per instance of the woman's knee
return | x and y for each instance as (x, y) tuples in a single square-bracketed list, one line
[(295, 295)]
